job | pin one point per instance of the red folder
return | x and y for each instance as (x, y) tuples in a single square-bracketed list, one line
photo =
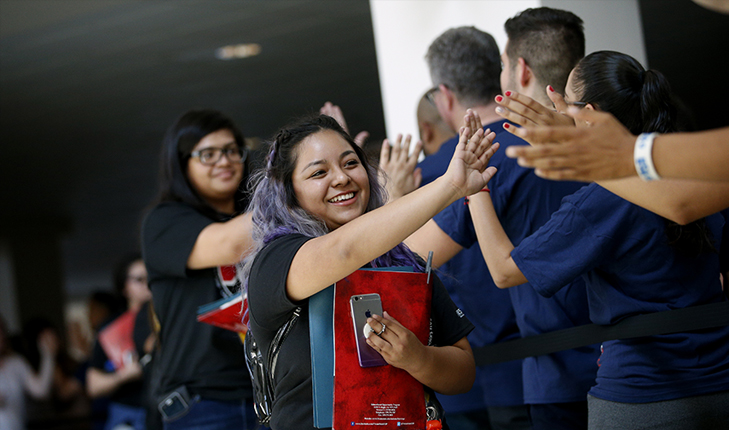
[(382, 396), (116, 339), (226, 313)]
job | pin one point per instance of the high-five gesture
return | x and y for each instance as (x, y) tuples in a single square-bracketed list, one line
[(468, 170)]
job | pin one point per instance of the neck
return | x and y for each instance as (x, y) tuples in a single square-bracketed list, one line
[(226, 206), (486, 112), (538, 93)]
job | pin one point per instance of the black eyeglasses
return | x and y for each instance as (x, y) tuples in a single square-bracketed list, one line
[(578, 104), (430, 94), (210, 156)]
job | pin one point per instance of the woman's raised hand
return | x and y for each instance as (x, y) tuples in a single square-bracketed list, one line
[(468, 170)]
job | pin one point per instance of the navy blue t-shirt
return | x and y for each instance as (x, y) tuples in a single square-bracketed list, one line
[(622, 252), (523, 203), (467, 280)]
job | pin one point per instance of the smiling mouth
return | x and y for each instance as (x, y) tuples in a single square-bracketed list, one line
[(341, 198)]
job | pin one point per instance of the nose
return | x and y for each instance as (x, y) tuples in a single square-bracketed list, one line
[(341, 178)]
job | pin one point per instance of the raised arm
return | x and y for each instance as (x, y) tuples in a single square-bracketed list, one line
[(365, 238), (39, 385), (605, 151), (495, 245), (222, 243)]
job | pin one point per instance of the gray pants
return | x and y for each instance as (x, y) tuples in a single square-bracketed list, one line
[(706, 412)]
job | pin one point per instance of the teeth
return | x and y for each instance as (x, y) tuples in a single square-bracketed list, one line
[(342, 197)]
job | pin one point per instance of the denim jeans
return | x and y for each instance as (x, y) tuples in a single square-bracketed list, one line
[(216, 415), (120, 414)]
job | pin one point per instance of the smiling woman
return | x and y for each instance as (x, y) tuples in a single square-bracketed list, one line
[(190, 241), (318, 216)]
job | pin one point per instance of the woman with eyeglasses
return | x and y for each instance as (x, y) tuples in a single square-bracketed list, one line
[(191, 241), (634, 262)]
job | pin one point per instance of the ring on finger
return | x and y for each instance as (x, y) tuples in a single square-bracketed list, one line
[(382, 330)]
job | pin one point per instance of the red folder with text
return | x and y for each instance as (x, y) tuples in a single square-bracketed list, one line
[(116, 340), (381, 396)]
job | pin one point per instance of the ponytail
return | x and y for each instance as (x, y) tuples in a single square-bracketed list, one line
[(642, 101), (656, 103)]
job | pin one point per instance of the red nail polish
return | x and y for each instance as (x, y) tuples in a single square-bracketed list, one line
[(499, 99), (551, 90), (508, 93), (506, 125)]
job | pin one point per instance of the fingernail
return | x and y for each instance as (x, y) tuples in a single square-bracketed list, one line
[(499, 110), (506, 126), (551, 90), (508, 93), (499, 99)]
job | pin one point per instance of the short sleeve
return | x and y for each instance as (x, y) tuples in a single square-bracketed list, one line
[(563, 249), (455, 221), (169, 233), (269, 304), (449, 323)]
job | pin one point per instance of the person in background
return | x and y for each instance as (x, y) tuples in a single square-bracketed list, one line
[(122, 385), (17, 378), (191, 240), (544, 44)]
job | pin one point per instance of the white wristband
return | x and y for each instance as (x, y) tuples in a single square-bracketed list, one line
[(643, 157)]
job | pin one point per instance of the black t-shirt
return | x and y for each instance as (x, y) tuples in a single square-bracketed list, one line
[(270, 308), (129, 393), (207, 359)]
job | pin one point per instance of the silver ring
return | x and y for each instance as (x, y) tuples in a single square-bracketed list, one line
[(383, 329)]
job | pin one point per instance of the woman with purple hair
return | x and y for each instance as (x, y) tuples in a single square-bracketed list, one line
[(318, 216)]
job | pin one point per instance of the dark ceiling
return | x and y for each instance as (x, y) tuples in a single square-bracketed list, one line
[(88, 88)]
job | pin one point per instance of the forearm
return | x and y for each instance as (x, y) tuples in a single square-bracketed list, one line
[(701, 155), (221, 244), (39, 385), (681, 201), (495, 245), (99, 383), (365, 238), (447, 369)]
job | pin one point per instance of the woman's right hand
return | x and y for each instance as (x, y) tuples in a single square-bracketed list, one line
[(467, 171)]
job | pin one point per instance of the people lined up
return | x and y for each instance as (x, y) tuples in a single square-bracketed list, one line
[(633, 262)]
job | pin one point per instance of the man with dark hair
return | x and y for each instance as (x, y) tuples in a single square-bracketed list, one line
[(465, 67), (550, 41), (555, 385)]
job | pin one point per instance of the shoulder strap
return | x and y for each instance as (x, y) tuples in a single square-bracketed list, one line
[(277, 341)]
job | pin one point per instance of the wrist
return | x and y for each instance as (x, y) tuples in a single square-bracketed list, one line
[(483, 190), (643, 157)]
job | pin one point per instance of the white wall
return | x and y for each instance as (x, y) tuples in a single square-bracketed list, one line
[(404, 29)]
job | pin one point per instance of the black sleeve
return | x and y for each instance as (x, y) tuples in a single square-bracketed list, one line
[(98, 357), (142, 328), (269, 304), (169, 233), (449, 323)]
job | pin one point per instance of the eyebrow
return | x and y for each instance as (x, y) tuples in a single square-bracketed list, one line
[(225, 145), (317, 162)]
